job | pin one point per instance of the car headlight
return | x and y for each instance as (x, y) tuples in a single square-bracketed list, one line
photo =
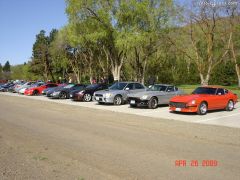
[(108, 95), (55, 93), (144, 97), (81, 92), (192, 102)]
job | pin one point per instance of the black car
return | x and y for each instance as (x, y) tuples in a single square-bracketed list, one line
[(87, 94), (72, 93), (64, 92)]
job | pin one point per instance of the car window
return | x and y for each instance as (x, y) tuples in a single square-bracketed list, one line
[(170, 88), (130, 86), (69, 86), (118, 86), (139, 86), (225, 91), (205, 90), (78, 87), (51, 85), (220, 91)]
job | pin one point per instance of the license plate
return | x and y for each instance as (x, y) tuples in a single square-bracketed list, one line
[(132, 102), (178, 109), (97, 98)]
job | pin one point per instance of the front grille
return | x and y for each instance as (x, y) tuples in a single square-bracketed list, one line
[(178, 104), (134, 98), (137, 100), (99, 95)]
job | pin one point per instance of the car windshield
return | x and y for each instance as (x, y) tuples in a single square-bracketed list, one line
[(118, 86), (204, 90), (92, 86), (69, 86), (157, 88)]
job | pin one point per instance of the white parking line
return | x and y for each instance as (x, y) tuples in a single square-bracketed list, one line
[(215, 118)]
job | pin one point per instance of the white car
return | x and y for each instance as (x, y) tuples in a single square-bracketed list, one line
[(21, 91)]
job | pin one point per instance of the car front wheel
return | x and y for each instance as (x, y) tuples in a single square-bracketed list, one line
[(202, 108), (118, 100), (35, 92), (87, 97), (230, 105), (63, 95), (153, 103)]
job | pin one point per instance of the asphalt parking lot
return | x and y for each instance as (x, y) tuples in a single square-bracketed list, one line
[(220, 118)]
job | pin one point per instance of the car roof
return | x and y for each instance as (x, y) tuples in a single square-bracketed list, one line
[(164, 84), (129, 82), (213, 86)]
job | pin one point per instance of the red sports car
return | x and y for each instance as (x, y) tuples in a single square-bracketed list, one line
[(33, 91), (203, 99)]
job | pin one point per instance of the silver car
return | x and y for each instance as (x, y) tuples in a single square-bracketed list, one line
[(154, 96), (117, 93), (25, 85)]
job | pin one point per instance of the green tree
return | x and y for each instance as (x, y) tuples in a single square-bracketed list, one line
[(41, 59), (1, 70), (7, 67), (141, 27), (204, 38)]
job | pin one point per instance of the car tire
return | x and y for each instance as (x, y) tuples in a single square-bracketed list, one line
[(153, 103), (87, 97), (202, 108), (230, 105), (118, 100), (63, 95), (35, 93)]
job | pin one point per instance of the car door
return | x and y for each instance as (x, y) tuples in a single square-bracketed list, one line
[(170, 92), (138, 88), (129, 89), (221, 99)]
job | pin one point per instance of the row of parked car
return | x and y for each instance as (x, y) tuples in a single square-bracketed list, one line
[(202, 99)]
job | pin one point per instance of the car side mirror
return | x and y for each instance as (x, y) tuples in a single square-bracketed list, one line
[(127, 89)]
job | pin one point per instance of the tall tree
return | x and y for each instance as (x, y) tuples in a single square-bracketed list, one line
[(100, 18), (234, 28), (6, 67), (41, 60), (1, 70), (204, 39)]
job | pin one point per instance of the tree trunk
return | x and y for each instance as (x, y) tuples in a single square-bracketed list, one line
[(204, 80), (91, 75), (78, 76), (237, 68), (238, 73), (116, 73), (144, 70)]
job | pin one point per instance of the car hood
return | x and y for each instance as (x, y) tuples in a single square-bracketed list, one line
[(110, 91), (148, 93), (55, 89), (74, 91), (187, 98), (62, 89)]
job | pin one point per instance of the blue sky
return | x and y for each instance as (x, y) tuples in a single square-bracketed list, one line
[(21, 20)]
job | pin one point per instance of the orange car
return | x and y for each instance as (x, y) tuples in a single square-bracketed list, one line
[(203, 99)]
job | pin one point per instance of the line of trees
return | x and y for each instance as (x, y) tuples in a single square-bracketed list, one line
[(136, 40)]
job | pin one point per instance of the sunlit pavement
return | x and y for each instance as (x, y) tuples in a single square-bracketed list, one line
[(221, 118)]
